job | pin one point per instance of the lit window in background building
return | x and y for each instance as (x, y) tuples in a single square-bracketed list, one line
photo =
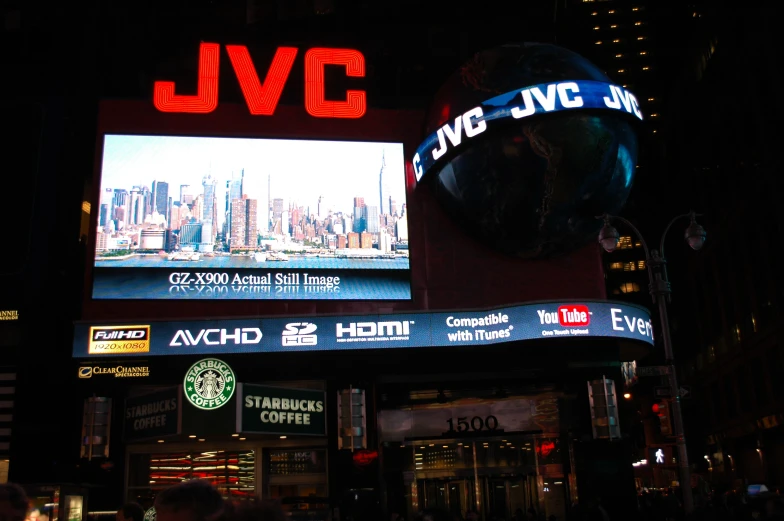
[(614, 26), (625, 242), (651, 99), (596, 28), (616, 266), (629, 287), (599, 42), (619, 55), (641, 37), (654, 115), (641, 265), (635, 8), (645, 68), (643, 53), (621, 71), (737, 333), (611, 11), (753, 323), (637, 23), (629, 266), (594, 13), (616, 41)]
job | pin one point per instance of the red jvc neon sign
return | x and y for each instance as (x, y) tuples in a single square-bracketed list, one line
[(262, 97)]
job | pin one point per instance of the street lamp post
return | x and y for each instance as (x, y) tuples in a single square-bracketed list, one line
[(660, 290)]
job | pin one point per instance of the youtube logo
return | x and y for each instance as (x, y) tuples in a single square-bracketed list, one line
[(574, 315)]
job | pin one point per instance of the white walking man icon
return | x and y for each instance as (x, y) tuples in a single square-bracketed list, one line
[(659, 456)]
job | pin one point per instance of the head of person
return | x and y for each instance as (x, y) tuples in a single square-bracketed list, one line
[(255, 509), (434, 514), (130, 512), (13, 503), (194, 500)]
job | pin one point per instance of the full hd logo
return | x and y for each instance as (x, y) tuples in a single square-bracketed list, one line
[(217, 337), (299, 334), (119, 339), (373, 331)]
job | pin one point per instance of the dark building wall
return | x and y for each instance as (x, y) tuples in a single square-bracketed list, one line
[(732, 314)]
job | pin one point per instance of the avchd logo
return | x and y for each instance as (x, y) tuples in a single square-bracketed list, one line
[(299, 334), (373, 331), (574, 315), (217, 337)]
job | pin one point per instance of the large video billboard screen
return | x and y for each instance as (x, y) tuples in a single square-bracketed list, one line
[(236, 218)]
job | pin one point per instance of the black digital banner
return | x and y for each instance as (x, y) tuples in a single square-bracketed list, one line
[(153, 415), (539, 320), (279, 410), (186, 283)]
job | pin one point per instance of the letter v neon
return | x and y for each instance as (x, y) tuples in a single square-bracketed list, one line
[(262, 99), (194, 341), (456, 134)]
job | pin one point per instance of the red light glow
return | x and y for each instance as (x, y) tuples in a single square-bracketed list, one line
[(355, 105), (262, 99), (545, 448), (206, 98), (365, 457)]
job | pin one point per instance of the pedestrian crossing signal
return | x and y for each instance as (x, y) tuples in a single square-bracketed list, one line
[(662, 410)]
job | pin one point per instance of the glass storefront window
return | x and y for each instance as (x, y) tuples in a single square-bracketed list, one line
[(298, 479), (295, 473), (497, 476), (232, 472), (460, 455)]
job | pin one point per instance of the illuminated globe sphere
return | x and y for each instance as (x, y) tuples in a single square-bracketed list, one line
[(533, 187)]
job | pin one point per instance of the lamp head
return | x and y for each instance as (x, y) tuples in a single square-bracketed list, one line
[(695, 234), (608, 236)]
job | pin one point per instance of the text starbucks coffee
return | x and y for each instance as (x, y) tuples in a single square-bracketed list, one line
[(287, 411), (150, 415)]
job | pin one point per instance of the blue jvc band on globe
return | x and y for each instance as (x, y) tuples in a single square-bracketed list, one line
[(519, 104)]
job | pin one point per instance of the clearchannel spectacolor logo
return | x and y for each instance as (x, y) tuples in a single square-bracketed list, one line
[(115, 340), (117, 371), (299, 334)]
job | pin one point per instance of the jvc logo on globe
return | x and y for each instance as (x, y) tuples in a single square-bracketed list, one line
[(574, 315)]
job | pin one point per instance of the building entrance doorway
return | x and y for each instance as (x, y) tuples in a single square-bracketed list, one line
[(505, 496)]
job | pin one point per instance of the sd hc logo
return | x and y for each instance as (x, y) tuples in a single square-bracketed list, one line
[(299, 334)]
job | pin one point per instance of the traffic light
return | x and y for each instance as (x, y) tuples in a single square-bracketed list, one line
[(662, 409)]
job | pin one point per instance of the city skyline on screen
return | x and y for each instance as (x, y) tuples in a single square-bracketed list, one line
[(298, 171)]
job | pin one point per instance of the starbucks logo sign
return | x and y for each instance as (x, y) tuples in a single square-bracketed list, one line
[(209, 384), (150, 515)]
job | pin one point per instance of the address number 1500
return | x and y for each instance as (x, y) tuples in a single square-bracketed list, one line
[(462, 424)]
